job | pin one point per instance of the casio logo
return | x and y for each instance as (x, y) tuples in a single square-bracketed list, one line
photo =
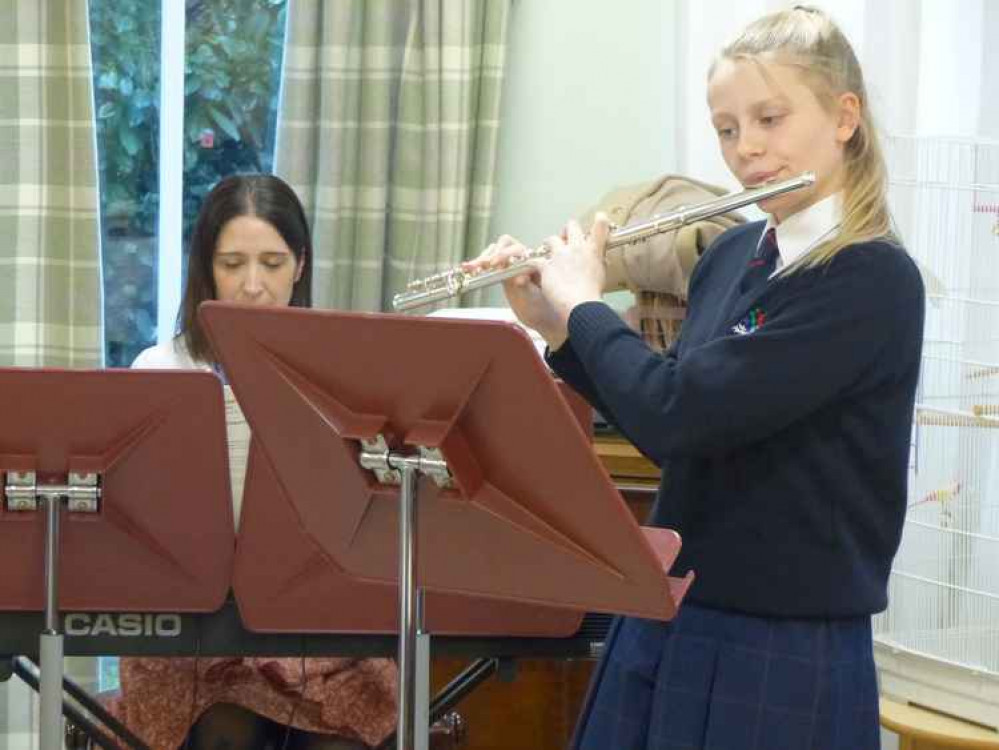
[(122, 624)]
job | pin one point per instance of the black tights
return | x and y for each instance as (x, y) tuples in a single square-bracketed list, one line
[(226, 726)]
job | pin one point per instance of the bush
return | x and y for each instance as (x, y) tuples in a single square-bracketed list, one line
[(232, 75)]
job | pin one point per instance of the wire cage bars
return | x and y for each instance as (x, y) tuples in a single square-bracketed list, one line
[(938, 642)]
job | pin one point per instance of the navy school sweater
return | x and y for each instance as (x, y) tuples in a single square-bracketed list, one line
[(784, 450)]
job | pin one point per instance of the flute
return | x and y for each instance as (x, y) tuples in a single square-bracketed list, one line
[(455, 282)]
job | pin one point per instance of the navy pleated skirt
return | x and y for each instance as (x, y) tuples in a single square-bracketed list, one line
[(714, 680)]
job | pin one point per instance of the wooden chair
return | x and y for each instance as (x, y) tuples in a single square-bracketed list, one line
[(922, 729)]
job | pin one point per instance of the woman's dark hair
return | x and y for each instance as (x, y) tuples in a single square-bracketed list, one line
[(262, 195)]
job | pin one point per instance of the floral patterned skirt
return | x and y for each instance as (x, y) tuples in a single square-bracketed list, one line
[(161, 699)]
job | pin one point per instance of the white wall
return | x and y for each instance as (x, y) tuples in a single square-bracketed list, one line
[(589, 103), (950, 68)]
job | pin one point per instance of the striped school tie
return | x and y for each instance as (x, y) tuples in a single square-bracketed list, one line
[(762, 264)]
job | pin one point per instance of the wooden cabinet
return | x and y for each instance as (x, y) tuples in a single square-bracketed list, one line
[(530, 704), (636, 477)]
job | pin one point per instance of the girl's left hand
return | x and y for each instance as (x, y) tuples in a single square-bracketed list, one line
[(575, 272)]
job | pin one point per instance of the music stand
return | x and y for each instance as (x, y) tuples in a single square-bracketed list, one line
[(280, 574), (350, 408), (129, 471)]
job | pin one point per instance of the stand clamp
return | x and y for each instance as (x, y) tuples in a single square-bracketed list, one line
[(21, 493), (375, 456)]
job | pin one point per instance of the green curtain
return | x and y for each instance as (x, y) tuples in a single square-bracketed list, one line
[(50, 276), (388, 130)]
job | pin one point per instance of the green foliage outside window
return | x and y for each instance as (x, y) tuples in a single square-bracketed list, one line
[(232, 74), (231, 83)]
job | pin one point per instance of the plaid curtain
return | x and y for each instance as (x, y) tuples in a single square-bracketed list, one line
[(388, 131), (50, 277)]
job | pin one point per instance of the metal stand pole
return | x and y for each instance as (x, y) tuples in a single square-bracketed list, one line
[(452, 694), (50, 644), (413, 732), (413, 729), (405, 738)]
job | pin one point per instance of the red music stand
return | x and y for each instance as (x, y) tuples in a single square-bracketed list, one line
[(280, 573), (513, 504), (129, 469)]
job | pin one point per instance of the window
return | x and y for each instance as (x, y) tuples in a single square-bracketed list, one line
[(227, 56), (125, 42), (157, 64)]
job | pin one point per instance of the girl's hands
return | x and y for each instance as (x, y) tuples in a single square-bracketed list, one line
[(543, 297), (523, 292), (575, 272)]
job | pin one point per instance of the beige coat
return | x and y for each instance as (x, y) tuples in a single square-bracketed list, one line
[(662, 263)]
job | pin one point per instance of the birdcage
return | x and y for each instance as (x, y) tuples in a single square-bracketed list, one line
[(938, 643)]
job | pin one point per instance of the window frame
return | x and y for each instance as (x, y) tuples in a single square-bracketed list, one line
[(170, 255)]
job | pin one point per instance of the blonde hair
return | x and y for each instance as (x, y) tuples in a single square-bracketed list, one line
[(806, 38)]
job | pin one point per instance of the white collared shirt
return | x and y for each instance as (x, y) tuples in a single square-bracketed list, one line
[(800, 233)]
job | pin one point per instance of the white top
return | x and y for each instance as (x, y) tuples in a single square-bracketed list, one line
[(173, 355), (800, 233)]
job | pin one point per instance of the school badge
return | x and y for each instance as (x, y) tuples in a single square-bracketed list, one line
[(753, 320)]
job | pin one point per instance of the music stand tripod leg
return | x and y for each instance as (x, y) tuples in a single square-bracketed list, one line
[(50, 646), (29, 673)]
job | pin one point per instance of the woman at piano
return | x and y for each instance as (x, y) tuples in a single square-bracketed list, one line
[(781, 417), (251, 244)]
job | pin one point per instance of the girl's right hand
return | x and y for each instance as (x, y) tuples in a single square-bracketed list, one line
[(523, 292)]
